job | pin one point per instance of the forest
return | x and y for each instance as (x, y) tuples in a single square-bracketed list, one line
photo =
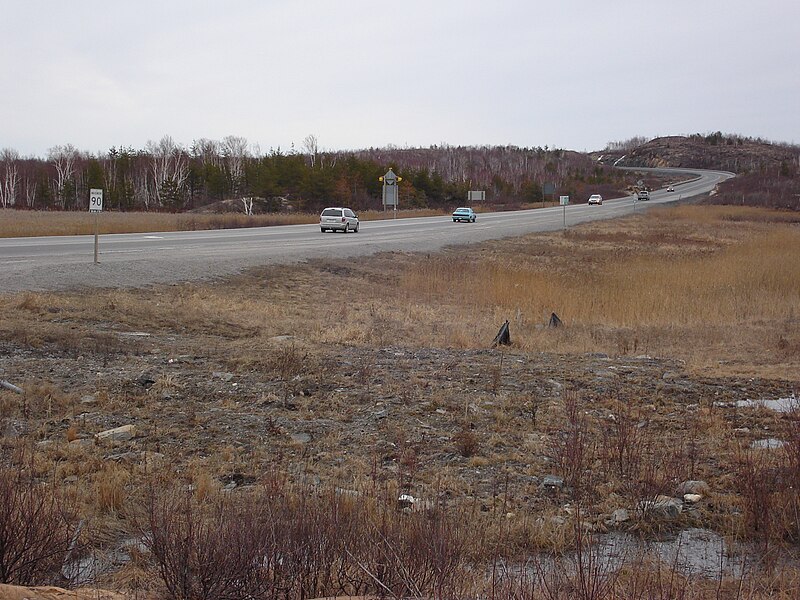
[(166, 176)]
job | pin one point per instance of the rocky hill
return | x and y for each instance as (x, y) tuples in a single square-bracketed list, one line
[(768, 173), (715, 151)]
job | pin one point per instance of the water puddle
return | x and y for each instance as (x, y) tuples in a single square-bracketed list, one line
[(693, 552), (768, 444), (782, 405)]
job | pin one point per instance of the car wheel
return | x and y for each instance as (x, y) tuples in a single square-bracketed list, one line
[(473, 219), (322, 229), (356, 229), (346, 225)]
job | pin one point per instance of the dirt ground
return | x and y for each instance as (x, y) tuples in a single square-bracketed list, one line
[(354, 376)]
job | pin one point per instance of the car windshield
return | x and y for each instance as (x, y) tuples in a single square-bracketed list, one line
[(332, 212), (462, 210)]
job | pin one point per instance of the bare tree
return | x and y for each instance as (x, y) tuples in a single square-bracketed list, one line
[(10, 177), (63, 159), (30, 192), (311, 146), (234, 150), (208, 152), (169, 170)]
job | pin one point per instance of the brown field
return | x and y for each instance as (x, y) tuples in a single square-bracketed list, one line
[(24, 223), (304, 400)]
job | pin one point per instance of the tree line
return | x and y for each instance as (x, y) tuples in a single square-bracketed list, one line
[(166, 176)]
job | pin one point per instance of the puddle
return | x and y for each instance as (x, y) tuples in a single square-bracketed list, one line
[(87, 570), (768, 444), (692, 552), (782, 405)]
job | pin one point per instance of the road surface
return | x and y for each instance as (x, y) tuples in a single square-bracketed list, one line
[(137, 259)]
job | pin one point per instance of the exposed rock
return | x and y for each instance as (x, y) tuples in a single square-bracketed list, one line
[(406, 501), (233, 480), (692, 498), (151, 460), (146, 380), (692, 486), (281, 338), (300, 438), (14, 428), (552, 483), (118, 434), (665, 507), (620, 515), (123, 457), (81, 442)]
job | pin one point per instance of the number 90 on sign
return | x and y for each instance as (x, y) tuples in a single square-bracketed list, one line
[(95, 200)]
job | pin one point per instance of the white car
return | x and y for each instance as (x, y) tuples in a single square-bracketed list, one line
[(595, 199), (338, 218), (670, 188)]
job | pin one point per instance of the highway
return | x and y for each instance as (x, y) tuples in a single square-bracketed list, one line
[(140, 259)]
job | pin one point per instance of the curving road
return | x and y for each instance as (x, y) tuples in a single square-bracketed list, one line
[(136, 259)]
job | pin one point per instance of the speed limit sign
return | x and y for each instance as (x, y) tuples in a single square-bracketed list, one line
[(95, 200)]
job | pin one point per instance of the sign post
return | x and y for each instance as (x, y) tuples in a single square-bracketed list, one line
[(390, 194), (564, 200), (548, 189), (96, 206)]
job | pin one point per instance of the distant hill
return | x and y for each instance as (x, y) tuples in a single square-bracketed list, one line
[(715, 151), (768, 172)]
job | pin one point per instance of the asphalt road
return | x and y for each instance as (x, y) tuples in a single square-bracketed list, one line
[(136, 260)]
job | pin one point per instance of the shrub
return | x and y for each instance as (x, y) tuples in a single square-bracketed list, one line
[(35, 530)]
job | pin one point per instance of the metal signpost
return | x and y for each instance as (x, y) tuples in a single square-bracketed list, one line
[(564, 200), (390, 181), (96, 206), (548, 189)]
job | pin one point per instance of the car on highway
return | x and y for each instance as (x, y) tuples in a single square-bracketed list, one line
[(464, 214), (670, 188), (595, 199), (338, 218)]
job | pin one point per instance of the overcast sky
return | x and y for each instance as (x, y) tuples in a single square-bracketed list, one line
[(571, 74)]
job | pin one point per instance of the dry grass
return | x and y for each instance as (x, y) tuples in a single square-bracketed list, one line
[(20, 223), (714, 287)]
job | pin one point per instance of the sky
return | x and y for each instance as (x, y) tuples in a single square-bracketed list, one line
[(571, 74)]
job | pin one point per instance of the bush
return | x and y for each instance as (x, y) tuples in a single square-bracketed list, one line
[(35, 530)]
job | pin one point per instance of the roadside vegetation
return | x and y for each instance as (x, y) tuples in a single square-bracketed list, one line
[(352, 414), (231, 175), (18, 223)]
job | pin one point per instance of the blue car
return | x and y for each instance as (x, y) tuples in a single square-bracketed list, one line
[(464, 214)]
